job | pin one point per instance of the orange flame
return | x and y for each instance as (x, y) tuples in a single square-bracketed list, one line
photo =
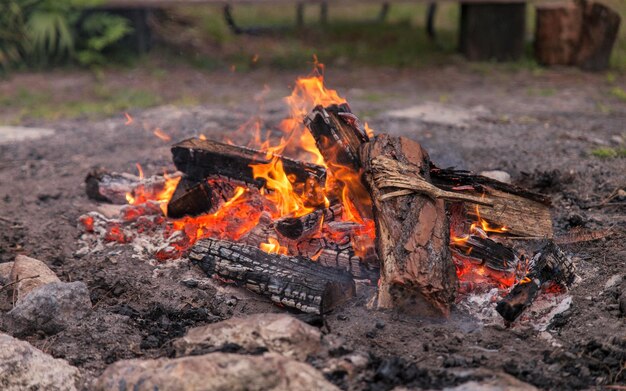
[(129, 119), (162, 135), (139, 170), (273, 247)]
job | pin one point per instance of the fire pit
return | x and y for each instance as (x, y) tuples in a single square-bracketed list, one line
[(330, 206)]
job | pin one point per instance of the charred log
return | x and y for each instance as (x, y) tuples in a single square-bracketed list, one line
[(297, 228), (113, 187), (548, 264), (339, 135), (200, 159), (193, 198), (522, 212), (486, 252), (294, 282), (417, 272)]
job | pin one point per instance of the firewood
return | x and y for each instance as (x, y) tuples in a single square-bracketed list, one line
[(522, 212), (338, 136), (200, 159), (417, 272), (293, 282), (548, 264), (490, 253), (112, 187), (297, 228), (193, 198)]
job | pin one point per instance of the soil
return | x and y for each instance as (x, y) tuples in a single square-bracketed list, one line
[(542, 140)]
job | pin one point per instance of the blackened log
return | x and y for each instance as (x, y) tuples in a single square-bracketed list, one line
[(297, 228), (346, 260), (548, 264), (294, 282), (412, 235), (260, 233), (486, 252), (338, 136), (112, 187), (190, 198), (522, 212), (200, 159)]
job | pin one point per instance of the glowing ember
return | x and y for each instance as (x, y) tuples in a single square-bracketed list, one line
[(129, 119), (162, 135)]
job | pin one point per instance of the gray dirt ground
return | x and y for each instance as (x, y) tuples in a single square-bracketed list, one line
[(539, 128)]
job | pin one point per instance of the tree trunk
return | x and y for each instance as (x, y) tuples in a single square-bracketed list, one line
[(557, 33), (412, 235), (599, 32)]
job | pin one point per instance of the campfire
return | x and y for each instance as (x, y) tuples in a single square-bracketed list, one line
[(330, 205)]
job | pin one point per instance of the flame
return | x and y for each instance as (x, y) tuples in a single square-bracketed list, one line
[(129, 119), (139, 170), (162, 135), (202, 137), (273, 247)]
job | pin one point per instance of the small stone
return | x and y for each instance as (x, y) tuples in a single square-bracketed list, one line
[(50, 309), (279, 333), (23, 367), (214, 371), (31, 274), (616, 139), (342, 317), (380, 325), (498, 175)]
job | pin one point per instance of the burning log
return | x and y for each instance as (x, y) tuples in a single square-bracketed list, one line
[(297, 228), (338, 136), (548, 264), (522, 212), (492, 254), (193, 197), (417, 272), (294, 282), (200, 159), (113, 187)]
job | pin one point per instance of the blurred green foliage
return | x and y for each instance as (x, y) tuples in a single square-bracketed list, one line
[(47, 32)]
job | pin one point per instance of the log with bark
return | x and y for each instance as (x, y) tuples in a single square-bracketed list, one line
[(294, 282), (199, 159), (548, 264), (598, 35), (557, 32), (412, 234), (522, 212)]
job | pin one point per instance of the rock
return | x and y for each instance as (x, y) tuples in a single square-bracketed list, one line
[(622, 303), (498, 175), (278, 333), (50, 309), (214, 371), (31, 274), (5, 273), (23, 367)]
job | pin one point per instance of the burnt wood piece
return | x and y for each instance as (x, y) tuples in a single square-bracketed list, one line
[(598, 34), (190, 198), (112, 187), (522, 212), (297, 228), (345, 259), (338, 136), (491, 31), (260, 233), (557, 32), (548, 264), (193, 198), (412, 235), (487, 252), (200, 159), (294, 282)]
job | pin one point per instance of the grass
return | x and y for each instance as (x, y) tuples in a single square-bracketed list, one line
[(609, 152), (104, 102)]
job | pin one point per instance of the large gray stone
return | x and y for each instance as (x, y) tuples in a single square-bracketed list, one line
[(23, 367), (214, 371), (50, 309), (27, 275), (279, 333), (9, 134)]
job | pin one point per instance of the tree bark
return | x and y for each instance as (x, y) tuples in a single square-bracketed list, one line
[(294, 282), (412, 235), (599, 32)]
